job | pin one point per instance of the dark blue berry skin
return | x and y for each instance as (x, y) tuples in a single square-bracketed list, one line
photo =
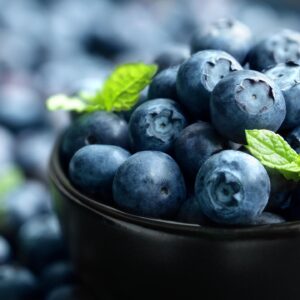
[(25, 202), (99, 127), (195, 144), (155, 125), (191, 212), (198, 76), (142, 99), (164, 84), (56, 275), (293, 139), (292, 211), (92, 169), (281, 190), (69, 292), (281, 47), (246, 100), (5, 251), (21, 108), (7, 148), (171, 57), (267, 218), (149, 184), (17, 284), (286, 76), (232, 187), (33, 152), (40, 242), (228, 35)]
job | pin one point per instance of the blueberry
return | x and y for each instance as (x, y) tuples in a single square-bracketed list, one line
[(33, 152), (17, 284), (21, 108), (5, 251), (191, 212), (69, 292), (40, 242), (281, 47), (92, 169), (7, 148), (155, 125), (232, 187), (62, 293), (292, 209), (267, 218), (286, 76), (149, 184), (23, 203), (171, 57), (293, 139), (142, 99), (164, 84), (198, 76), (195, 144), (228, 35), (99, 127), (281, 190), (246, 100), (56, 275)]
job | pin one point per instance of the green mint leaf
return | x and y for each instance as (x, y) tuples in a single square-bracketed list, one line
[(63, 102), (274, 152), (122, 89)]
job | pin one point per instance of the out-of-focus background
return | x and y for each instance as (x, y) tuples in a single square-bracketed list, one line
[(49, 46)]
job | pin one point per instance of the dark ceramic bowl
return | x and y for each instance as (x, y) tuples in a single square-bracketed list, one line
[(139, 258)]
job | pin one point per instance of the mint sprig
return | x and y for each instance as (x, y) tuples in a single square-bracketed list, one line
[(274, 152), (120, 91)]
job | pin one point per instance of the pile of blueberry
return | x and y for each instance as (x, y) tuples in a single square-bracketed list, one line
[(179, 154)]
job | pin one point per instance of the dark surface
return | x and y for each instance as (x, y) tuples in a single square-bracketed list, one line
[(140, 258)]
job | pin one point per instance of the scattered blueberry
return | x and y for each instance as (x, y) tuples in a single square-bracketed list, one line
[(149, 184), (228, 35), (33, 152), (198, 76), (21, 108), (171, 57), (40, 242), (7, 142), (232, 187), (164, 84), (287, 77), (23, 203), (246, 100), (92, 169), (17, 283), (56, 275), (69, 292), (155, 125), (195, 144), (281, 47), (5, 251), (95, 128)]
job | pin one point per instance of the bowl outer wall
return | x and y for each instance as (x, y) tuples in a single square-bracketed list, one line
[(139, 258)]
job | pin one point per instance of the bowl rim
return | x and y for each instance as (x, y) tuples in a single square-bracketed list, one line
[(271, 231)]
